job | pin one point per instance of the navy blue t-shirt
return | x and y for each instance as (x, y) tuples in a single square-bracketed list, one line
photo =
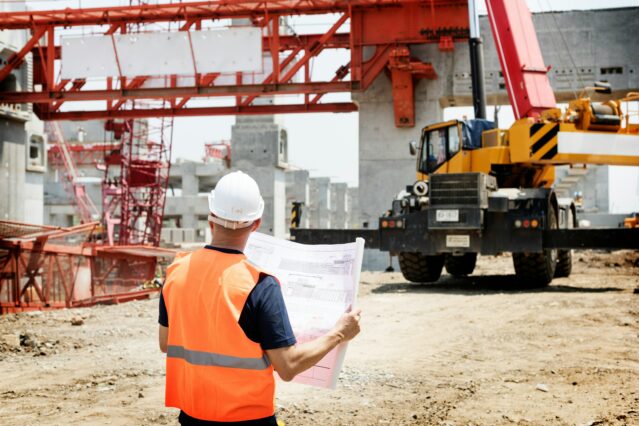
[(264, 320)]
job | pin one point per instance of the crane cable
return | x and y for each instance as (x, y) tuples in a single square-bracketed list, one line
[(565, 43)]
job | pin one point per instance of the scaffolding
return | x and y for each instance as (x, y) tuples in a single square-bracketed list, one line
[(135, 183), (44, 267)]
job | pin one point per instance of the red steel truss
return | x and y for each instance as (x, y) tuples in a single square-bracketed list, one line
[(378, 34), (46, 268), (83, 154)]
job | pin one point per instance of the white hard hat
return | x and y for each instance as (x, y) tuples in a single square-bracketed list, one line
[(236, 201)]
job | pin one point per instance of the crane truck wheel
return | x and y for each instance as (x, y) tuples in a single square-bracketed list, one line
[(564, 264), (419, 268), (537, 269), (564, 257), (459, 266)]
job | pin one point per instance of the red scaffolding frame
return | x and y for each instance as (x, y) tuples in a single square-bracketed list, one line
[(135, 184), (43, 267), (379, 34)]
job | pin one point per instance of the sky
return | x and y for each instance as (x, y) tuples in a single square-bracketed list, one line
[(325, 144)]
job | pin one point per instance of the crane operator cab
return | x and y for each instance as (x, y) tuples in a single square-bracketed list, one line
[(442, 144)]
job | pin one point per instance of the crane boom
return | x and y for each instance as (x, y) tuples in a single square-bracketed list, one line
[(520, 57)]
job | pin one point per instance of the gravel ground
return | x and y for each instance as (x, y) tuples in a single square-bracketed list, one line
[(475, 351)]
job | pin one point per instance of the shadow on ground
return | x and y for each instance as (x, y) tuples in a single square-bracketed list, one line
[(485, 284)]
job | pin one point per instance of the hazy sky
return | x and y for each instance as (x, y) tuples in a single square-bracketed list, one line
[(326, 144)]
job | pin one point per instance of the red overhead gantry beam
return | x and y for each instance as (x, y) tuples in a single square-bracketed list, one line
[(378, 34)]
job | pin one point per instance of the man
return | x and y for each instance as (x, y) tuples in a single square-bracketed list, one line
[(224, 325)]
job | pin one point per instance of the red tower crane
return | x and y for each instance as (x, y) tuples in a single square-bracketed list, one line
[(87, 210)]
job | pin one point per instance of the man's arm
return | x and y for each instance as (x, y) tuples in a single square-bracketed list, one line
[(163, 320), (292, 360), (163, 338)]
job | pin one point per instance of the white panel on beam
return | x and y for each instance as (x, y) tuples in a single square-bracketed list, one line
[(154, 54), (216, 51), (84, 57), (230, 50)]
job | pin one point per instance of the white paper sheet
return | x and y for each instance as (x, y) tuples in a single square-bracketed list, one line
[(319, 283)]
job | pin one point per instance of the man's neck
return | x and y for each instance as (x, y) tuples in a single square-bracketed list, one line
[(232, 245)]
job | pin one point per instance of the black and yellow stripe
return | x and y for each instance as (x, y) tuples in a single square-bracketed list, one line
[(543, 140), (296, 214)]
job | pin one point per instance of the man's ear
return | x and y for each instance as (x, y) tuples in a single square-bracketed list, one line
[(256, 225)]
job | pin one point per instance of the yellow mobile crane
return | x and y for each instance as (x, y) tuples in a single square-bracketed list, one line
[(467, 179), (485, 190)]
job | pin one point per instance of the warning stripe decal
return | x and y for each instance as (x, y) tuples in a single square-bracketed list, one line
[(535, 128), (550, 154), (546, 136)]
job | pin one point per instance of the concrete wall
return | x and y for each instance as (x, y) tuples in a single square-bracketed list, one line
[(596, 48), (21, 175)]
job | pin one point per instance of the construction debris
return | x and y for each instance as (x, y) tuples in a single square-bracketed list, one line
[(77, 320), (542, 387)]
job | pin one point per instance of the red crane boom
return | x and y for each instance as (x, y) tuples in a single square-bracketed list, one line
[(520, 57)]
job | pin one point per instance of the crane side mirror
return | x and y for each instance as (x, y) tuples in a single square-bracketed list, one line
[(603, 87), (412, 148)]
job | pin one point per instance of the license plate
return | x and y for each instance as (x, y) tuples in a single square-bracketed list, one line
[(458, 241), (447, 216)]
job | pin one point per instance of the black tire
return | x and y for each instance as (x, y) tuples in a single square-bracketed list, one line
[(537, 269), (419, 268), (564, 257), (564, 264), (459, 266)]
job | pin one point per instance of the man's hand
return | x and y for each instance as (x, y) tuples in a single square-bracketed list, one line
[(292, 360), (348, 325)]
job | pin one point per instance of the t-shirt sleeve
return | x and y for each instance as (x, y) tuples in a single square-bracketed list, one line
[(163, 318), (264, 318)]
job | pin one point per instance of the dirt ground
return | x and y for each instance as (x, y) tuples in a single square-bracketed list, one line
[(476, 351)]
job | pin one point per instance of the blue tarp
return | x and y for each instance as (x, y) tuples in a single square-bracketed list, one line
[(472, 130)]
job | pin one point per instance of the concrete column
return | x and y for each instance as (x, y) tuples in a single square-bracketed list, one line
[(385, 164), (339, 205), (190, 188), (258, 146), (320, 203), (353, 208)]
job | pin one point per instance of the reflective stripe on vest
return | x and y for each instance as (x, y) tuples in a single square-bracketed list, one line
[(217, 360)]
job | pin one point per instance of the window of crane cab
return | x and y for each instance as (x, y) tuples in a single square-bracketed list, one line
[(438, 146)]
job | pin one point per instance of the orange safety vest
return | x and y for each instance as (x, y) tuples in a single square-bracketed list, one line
[(213, 371)]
